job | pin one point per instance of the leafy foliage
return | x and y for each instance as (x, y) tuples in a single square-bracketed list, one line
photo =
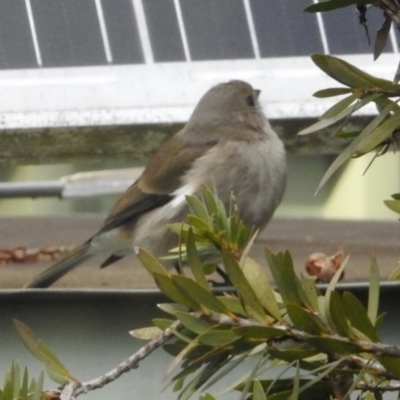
[(380, 134), (361, 89), (316, 344), (54, 367), (321, 338), (213, 228), (17, 385)]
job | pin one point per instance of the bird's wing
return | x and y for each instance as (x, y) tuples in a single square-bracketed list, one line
[(139, 203), (156, 186)]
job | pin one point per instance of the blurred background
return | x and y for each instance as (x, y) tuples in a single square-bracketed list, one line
[(116, 77)]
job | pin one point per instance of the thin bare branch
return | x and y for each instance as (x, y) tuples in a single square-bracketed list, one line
[(130, 363)]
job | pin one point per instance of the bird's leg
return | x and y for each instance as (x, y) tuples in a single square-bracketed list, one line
[(178, 268), (225, 278)]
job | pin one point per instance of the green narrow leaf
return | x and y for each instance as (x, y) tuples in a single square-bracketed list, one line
[(211, 202), (339, 106), (150, 262), (198, 208), (162, 323), (310, 290), (171, 308), (330, 290), (373, 293), (282, 270), (196, 266), (382, 102), (233, 304), (179, 379), (322, 311), (296, 383), (293, 355), (201, 378), (193, 323), (148, 333), (197, 294), (361, 143), (208, 396), (359, 335), (183, 353), (56, 375), (199, 225), (346, 134), (369, 138), (246, 250), (261, 286), (241, 284), (391, 364), (258, 332), (231, 365), (341, 71), (338, 315), (39, 387), (331, 92), (351, 76), (179, 227), (218, 337), (358, 317), (258, 391), (305, 321), (44, 354), (381, 37), (16, 379), (323, 371), (332, 345), (171, 290), (25, 384), (330, 5), (393, 205), (325, 123)]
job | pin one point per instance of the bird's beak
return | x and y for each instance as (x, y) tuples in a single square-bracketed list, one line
[(257, 92)]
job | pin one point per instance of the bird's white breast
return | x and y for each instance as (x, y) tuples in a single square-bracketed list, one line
[(255, 171)]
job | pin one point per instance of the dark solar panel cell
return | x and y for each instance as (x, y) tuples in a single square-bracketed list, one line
[(347, 36), (216, 30), (284, 30), (68, 33), (122, 31), (16, 45), (163, 29)]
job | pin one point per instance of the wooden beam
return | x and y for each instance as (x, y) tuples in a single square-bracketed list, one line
[(135, 143)]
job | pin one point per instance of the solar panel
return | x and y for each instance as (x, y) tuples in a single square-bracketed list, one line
[(284, 30), (137, 61), (16, 46), (165, 37)]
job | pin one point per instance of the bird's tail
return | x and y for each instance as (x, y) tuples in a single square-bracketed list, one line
[(46, 278)]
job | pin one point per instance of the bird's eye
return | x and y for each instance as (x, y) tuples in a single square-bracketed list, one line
[(250, 101)]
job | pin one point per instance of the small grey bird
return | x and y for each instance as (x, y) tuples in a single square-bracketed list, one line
[(227, 144)]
